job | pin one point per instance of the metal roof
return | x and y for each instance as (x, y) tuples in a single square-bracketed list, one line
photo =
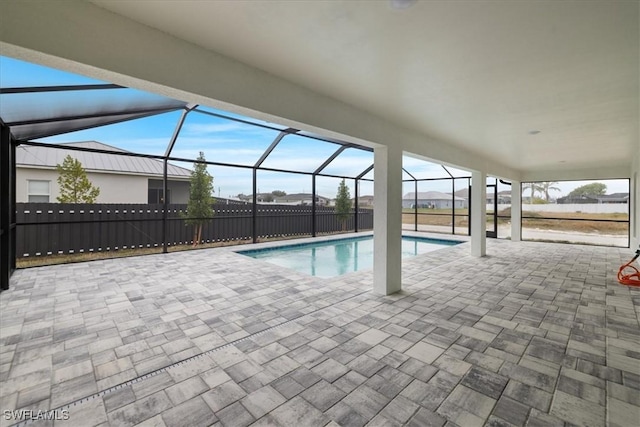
[(50, 157), (614, 196)]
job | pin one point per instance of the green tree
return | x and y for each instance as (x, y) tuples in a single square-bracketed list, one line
[(75, 187), (594, 189), (200, 206), (278, 193), (343, 204), (545, 187)]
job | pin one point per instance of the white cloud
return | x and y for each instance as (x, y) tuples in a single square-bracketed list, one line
[(240, 156), (212, 128)]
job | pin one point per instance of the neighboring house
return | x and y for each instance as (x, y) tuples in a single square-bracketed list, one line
[(577, 200), (463, 192), (619, 198), (287, 199), (300, 199), (121, 179), (433, 200), (260, 198), (504, 197), (364, 201), (614, 198)]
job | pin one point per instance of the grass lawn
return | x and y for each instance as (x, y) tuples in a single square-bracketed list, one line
[(571, 221), (435, 216), (574, 221)]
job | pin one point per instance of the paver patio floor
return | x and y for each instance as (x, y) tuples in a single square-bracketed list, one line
[(533, 334)]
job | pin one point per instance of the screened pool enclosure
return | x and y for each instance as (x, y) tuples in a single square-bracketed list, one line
[(107, 127), (270, 181)]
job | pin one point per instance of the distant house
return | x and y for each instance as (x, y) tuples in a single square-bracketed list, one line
[(463, 192), (433, 200), (577, 200), (287, 199), (121, 178), (619, 198), (300, 199), (363, 201), (504, 197), (614, 198), (261, 198)]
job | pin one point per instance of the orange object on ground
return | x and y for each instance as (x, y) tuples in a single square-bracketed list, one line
[(632, 276)]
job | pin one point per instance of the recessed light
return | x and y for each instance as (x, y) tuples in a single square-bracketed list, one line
[(534, 132)]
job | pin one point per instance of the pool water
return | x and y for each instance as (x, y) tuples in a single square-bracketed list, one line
[(338, 257)]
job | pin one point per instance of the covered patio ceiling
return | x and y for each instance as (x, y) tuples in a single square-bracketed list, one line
[(527, 90)]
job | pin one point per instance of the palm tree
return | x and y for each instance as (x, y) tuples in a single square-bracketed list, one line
[(545, 187), (534, 187)]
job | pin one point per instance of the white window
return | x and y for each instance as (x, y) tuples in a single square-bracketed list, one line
[(38, 191)]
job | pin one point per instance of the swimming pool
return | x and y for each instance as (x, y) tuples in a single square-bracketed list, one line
[(337, 257)]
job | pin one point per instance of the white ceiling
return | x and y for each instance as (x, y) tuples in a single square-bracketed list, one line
[(479, 75), (461, 81)]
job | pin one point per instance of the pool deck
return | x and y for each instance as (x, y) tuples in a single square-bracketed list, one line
[(534, 334)]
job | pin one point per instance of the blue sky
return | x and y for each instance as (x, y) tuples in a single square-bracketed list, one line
[(229, 141)]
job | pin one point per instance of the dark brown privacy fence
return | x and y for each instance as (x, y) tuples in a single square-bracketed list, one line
[(58, 228)]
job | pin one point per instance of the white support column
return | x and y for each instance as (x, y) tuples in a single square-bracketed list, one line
[(516, 211), (478, 213), (387, 220)]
